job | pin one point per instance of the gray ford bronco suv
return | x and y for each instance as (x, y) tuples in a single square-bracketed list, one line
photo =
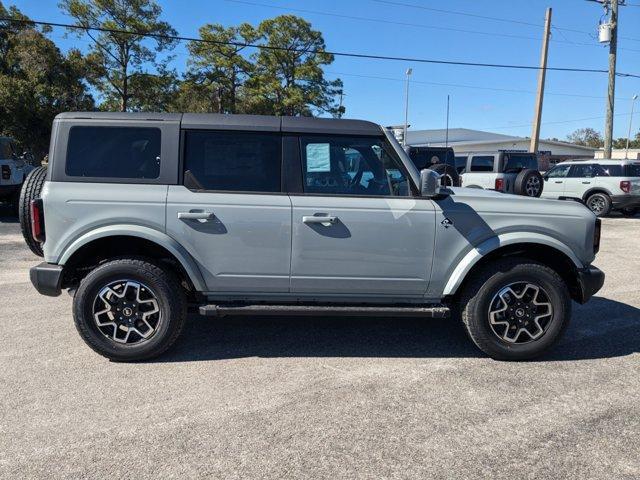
[(144, 216)]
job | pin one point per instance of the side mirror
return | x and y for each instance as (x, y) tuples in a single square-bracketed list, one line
[(429, 183)]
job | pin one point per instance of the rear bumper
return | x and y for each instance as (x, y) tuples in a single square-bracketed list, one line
[(590, 280), (47, 278), (625, 201)]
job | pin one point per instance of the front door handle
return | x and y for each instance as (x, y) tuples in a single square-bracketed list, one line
[(319, 219), (195, 215), (559, 181)]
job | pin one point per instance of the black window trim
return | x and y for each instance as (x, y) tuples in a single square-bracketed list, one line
[(183, 146)]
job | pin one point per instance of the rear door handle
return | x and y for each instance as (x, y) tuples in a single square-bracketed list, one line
[(319, 219), (586, 183), (558, 181), (195, 215)]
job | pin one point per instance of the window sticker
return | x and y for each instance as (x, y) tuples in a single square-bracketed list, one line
[(318, 157)]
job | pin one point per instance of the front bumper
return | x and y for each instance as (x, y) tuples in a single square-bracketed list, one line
[(47, 278), (590, 280), (625, 201)]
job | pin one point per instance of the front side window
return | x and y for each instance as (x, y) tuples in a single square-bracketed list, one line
[(113, 152), (482, 163), (232, 161), (5, 149), (583, 171), (351, 166), (559, 172)]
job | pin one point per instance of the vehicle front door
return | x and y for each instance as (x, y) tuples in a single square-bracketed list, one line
[(580, 179), (356, 229), (230, 212), (554, 181)]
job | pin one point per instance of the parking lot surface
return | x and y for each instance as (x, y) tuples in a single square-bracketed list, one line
[(321, 397)]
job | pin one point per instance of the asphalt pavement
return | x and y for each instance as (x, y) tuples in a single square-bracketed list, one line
[(321, 398)]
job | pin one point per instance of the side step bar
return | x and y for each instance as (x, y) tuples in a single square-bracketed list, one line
[(432, 311)]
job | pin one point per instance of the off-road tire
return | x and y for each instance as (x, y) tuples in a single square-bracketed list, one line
[(528, 183), (31, 188), (476, 297), (450, 177), (602, 200), (168, 292)]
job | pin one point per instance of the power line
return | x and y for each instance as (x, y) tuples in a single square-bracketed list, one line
[(411, 24), (487, 17), (301, 50)]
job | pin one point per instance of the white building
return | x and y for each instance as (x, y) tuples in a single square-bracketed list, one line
[(464, 141), (634, 153)]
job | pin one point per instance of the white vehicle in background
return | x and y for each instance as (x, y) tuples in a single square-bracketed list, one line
[(503, 171), (13, 171), (603, 185)]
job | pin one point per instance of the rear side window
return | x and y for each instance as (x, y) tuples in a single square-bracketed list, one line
[(587, 170), (113, 152), (5, 149), (482, 163), (232, 161), (517, 163), (633, 170)]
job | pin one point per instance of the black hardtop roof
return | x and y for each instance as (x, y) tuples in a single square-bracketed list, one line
[(220, 121)]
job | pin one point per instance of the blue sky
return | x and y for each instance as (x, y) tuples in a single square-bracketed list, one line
[(480, 98)]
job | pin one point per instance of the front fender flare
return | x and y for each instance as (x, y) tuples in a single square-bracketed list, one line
[(162, 239), (475, 254)]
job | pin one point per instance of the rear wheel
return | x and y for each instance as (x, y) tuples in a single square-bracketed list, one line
[(528, 183), (31, 188), (129, 309), (515, 309), (599, 203)]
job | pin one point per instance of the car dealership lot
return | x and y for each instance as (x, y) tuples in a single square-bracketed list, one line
[(319, 398)]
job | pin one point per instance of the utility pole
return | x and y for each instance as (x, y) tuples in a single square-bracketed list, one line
[(406, 108), (542, 73), (613, 47), (446, 137), (633, 101)]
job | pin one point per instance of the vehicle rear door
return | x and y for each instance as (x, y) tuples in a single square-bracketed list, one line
[(229, 210), (554, 181), (356, 230)]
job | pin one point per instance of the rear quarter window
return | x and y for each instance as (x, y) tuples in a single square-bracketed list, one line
[(113, 152), (482, 163), (517, 163), (633, 170)]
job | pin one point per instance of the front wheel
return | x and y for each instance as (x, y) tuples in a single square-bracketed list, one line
[(515, 309), (129, 309)]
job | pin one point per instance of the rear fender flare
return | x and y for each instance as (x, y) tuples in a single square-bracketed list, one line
[(161, 239)]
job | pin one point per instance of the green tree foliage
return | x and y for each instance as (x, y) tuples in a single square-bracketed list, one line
[(125, 68), (36, 82), (286, 78), (218, 71), (291, 81), (587, 137)]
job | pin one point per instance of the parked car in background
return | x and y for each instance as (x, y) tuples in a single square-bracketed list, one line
[(603, 185), (14, 168), (441, 160), (141, 215), (503, 171)]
